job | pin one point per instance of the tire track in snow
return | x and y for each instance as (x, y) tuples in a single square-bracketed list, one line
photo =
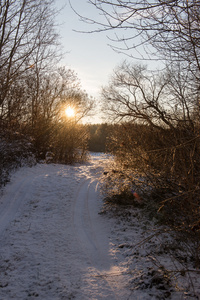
[(84, 225), (93, 241), (15, 195), (12, 202)]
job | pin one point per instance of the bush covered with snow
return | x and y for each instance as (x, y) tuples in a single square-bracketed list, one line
[(16, 150)]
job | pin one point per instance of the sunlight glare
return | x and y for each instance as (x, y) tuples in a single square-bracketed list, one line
[(69, 111)]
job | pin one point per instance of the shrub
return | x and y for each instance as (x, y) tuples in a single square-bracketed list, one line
[(16, 150)]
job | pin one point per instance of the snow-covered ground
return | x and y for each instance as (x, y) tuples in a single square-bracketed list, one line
[(56, 243)]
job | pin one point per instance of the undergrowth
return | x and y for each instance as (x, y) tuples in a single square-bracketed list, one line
[(16, 151)]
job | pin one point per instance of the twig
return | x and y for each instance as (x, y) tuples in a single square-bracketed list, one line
[(113, 274)]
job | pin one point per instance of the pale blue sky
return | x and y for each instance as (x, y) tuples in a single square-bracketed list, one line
[(89, 54)]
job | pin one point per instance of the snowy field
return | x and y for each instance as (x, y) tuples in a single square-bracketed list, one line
[(56, 243)]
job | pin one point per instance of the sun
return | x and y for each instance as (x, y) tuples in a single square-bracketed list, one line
[(69, 111)]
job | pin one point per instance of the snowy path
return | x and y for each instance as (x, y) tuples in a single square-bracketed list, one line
[(53, 243)]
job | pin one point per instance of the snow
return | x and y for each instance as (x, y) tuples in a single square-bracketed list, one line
[(57, 242)]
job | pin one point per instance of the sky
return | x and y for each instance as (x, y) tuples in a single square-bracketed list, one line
[(88, 54)]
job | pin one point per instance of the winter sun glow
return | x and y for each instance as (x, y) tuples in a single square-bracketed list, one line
[(69, 111)]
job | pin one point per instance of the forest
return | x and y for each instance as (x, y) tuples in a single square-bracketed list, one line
[(154, 129)]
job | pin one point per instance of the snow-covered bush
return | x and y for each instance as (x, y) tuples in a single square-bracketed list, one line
[(16, 150)]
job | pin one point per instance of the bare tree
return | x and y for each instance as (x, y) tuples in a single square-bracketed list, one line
[(136, 94), (158, 137), (27, 39), (160, 30)]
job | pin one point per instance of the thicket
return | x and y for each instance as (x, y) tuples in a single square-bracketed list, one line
[(16, 150), (156, 150)]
